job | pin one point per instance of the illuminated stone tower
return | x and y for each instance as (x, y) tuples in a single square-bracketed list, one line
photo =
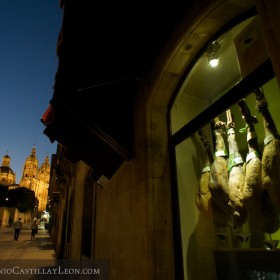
[(30, 172), (36, 179), (7, 175), (43, 184)]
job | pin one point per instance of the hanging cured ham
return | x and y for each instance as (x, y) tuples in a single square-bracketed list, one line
[(203, 199), (236, 176), (219, 170), (255, 197), (203, 195), (271, 152)]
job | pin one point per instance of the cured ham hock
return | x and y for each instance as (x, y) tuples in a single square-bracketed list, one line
[(203, 199), (219, 170), (236, 177), (271, 152), (255, 197)]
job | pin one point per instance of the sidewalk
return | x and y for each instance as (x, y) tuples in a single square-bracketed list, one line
[(17, 256), (25, 248), (28, 259)]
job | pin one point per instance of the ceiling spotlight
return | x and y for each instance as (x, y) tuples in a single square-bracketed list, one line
[(213, 61), (212, 52)]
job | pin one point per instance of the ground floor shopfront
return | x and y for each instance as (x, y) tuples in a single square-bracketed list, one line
[(149, 221)]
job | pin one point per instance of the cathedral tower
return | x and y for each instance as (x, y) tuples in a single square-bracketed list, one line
[(43, 184), (44, 171), (7, 175), (36, 179), (30, 172)]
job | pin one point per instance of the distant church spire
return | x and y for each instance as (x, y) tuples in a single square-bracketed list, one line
[(30, 171), (44, 171), (7, 175), (6, 161), (35, 178)]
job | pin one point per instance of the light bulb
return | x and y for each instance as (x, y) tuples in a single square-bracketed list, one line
[(214, 62)]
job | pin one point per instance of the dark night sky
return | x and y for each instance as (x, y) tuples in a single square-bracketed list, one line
[(29, 30)]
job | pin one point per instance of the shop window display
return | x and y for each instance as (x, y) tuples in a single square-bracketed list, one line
[(228, 168)]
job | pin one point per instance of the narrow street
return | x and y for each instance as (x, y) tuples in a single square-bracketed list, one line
[(25, 248), (17, 256), (35, 259)]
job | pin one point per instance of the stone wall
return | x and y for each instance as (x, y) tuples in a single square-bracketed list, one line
[(8, 215)]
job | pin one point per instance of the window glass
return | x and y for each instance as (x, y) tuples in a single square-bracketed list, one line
[(206, 229), (239, 51), (223, 226)]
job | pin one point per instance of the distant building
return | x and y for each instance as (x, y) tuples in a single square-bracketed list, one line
[(7, 175), (33, 177), (36, 178)]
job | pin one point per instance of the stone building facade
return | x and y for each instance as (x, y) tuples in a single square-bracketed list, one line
[(142, 218), (34, 177), (7, 175)]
